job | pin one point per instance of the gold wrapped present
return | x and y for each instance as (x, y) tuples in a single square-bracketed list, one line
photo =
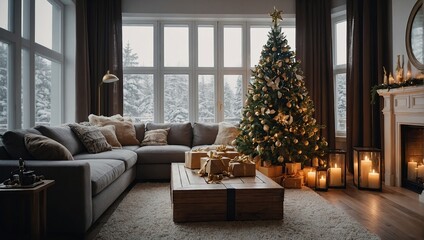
[(271, 171), (242, 166), (242, 169), (229, 154), (293, 182), (192, 159), (213, 164)]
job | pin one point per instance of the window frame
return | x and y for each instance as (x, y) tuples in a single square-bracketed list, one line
[(338, 15), (218, 70), (21, 39)]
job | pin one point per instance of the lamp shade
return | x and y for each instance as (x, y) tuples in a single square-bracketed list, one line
[(109, 78)]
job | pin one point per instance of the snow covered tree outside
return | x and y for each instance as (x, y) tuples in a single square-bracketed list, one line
[(138, 90), (43, 84), (277, 123), (176, 99), (3, 86), (206, 98), (233, 103), (341, 102)]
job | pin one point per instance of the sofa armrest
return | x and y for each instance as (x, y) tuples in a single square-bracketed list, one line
[(69, 200)]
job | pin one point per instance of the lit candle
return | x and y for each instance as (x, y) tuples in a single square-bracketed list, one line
[(373, 179), (412, 174), (311, 179), (365, 169), (408, 75), (391, 79), (335, 176), (322, 182), (421, 171)]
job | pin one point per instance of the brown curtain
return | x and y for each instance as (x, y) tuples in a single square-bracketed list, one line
[(99, 49), (367, 27), (314, 50)]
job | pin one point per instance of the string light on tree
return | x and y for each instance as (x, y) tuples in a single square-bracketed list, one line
[(277, 123)]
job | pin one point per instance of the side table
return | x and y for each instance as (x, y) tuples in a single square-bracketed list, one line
[(36, 197)]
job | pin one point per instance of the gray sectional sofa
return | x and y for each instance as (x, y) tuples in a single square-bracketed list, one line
[(86, 186)]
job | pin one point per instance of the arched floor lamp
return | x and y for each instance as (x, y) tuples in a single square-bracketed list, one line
[(107, 78)]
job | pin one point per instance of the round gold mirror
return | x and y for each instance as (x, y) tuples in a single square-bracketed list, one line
[(415, 36)]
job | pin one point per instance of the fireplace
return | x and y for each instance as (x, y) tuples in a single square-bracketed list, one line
[(403, 109), (412, 150)]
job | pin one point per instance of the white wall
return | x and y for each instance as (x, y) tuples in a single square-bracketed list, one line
[(400, 14), (217, 7)]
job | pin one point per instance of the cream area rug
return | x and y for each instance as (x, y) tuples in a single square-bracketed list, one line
[(146, 213)]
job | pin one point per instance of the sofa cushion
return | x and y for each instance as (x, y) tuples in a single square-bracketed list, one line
[(204, 133), (44, 148), (127, 156), (103, 172), (110, 135), (124, 128), (65, 136), (14, 143), (139, 131), (155, 137), (161, 154), (91, 137), (227, 132), (179, 133)]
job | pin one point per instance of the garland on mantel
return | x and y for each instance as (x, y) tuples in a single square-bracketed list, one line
[(407, 83)]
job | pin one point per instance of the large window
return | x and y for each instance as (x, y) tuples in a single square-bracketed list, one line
[(34, 61), (339, 65), (195, 71)]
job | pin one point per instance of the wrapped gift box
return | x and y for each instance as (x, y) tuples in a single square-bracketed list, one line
[(293, 182), (272, 171), (192, 159), (229, 154), (215, 165), (292, 168), (278, 179), (242, 169)]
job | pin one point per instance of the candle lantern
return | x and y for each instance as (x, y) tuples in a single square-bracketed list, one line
[(367, 168), (336, 163), (310, 176), (321, 179)]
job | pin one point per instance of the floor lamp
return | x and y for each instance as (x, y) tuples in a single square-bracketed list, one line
[(107, 78)]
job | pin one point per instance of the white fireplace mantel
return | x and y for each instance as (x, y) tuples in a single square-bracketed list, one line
[(402, 106)]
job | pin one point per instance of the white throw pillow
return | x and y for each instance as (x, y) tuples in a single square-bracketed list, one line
[(227, 132)]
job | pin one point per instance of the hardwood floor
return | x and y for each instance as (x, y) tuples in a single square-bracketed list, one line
[(394, 213)]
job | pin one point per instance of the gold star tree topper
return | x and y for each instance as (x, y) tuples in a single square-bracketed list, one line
[(275, 16)]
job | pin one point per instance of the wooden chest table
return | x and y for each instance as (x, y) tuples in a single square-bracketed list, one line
[(241, 198)]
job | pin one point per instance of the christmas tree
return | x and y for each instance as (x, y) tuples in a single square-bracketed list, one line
[(277, 120)]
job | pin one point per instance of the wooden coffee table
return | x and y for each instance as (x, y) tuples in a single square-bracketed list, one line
[(241, 198)]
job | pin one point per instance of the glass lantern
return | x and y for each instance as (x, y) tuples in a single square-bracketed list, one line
[(367, 168), (336, 163), (321, 183), (310, 175)]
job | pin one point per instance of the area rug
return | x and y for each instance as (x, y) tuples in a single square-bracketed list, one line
[(146, 213)]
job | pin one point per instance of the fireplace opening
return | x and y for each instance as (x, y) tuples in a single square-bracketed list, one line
[(412, 152)]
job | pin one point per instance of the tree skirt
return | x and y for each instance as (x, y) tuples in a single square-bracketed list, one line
[(146, 213)]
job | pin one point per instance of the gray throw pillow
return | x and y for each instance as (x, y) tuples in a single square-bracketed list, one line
[(44, 148), (155, 137), (14, 143), (92, 138)]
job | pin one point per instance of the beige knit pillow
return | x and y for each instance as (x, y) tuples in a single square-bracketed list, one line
[(227, 132), (155, 137), (124, 128), (109, 132)]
